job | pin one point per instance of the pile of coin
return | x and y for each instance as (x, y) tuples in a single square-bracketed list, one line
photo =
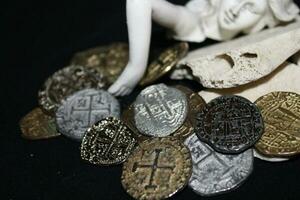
[(169, 137)]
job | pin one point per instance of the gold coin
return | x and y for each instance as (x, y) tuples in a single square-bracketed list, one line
[(157, 169), (37, 125), (164, 63), (109, 60), (281, 114), (196, 103)]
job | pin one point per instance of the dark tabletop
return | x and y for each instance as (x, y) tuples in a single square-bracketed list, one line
[(38, 38)]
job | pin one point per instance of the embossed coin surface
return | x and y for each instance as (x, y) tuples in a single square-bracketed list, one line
[(107, 142), (157, 169), (281, 114), (215, 173), (230, 124), (109, 60), (37, 125), (84, 108), (66, 82), (165, 63), (160, 110)]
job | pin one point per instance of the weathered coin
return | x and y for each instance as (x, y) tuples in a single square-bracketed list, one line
[(37, 125), (268, 158), (109, 60), (215, 173), (84, 108), (281, 114), (65, 82), (160, 110), (164, 63), (230, 124), (107, 142), (157, 169)]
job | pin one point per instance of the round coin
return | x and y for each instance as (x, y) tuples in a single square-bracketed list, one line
[(230, 124), (157, 169), (281, 114), (164, 63), (84, 108), (37, 125), (215, 173), (109, 60), (160, 110), (64, 83), (107, 142), (268, 158)]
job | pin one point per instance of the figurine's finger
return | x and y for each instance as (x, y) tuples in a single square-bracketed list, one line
[(113, 89), (120, 91), (125, 92)]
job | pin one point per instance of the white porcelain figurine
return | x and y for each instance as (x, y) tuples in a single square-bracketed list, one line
[(199, 19)]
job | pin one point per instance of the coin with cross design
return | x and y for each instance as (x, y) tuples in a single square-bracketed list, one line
[(215, 173), (84, 108), (157, 169), (160, 110), (107, 142), (230, 124)]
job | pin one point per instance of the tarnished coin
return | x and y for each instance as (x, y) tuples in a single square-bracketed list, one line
[(84, 108), (230, 124), (164, 63), (157, 169), (215, 173), (268, 158), (107, 142), (160, 110), (281, 114), (37, 125), (109, 60), (66, 82)]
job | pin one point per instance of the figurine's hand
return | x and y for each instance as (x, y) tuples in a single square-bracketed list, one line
[(127, 80)]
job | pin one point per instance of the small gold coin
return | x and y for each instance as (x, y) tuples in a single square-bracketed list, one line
[(37, 125), (165, 63), (157, 169), (109, 60), (281, 114)]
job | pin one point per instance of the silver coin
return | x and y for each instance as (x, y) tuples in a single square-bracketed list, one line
[(269, 159), (215, 173), (84, 108), (160, 110)]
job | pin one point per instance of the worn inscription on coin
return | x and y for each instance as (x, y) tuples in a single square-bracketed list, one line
[(160, 110), (37, 125), (215, 173), (66, 82), (165, 63), (110, 60), (84, 108), (230, 124), (107, 142), (281, 114), (157, 169)]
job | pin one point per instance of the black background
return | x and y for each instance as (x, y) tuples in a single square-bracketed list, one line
[(38, 38)]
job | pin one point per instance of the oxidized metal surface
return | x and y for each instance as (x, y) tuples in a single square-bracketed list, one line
[(84, 108), (268, 158), (107, 142), (110, 60), (281, 114), (160, 110), (65, 82), (157, 169), (164, 63), (215, 173), (230, 124), (37, 125)]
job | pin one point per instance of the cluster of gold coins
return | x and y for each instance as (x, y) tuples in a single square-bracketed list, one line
[(154, 167)]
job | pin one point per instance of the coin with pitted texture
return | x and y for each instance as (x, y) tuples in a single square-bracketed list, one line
[(160, 110), (215, 173), (281, 114), (108, 142), (84, 108), (230, 124), (157, 169), (65, 82)]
